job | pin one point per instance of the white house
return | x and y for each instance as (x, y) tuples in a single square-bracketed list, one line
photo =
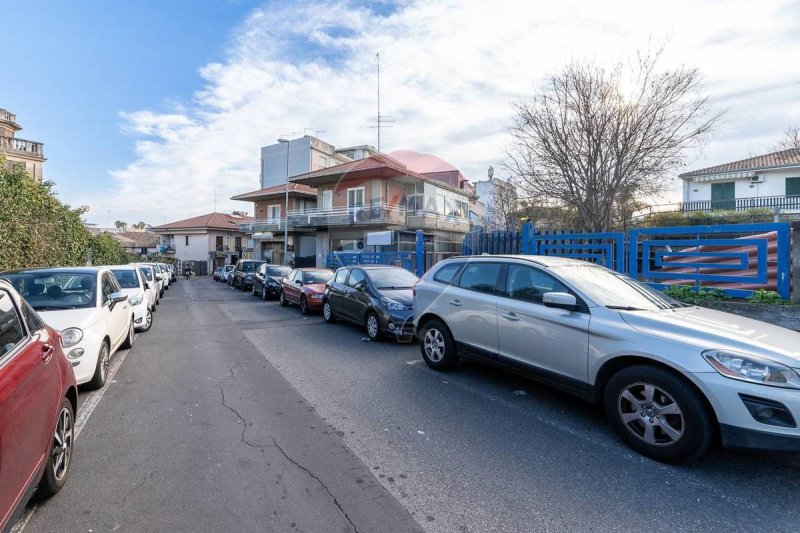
[(213, 239), (769, 181)]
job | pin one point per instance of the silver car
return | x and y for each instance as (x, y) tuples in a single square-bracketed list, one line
[(669, 376)]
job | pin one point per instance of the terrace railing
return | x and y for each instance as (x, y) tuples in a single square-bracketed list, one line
[(784, 203)]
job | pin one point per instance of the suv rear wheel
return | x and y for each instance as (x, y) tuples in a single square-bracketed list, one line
[(437, 345), (658, 414)]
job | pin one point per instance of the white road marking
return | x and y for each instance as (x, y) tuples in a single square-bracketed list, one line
[(92, 399)]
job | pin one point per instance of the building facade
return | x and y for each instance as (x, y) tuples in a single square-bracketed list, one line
[(213, 239), (770, 181), (20, 152), (268, 228), (377, 204)]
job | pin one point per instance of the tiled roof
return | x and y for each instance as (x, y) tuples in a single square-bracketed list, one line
[(368, 163), (210, 221), (140, 239), (784, 158), (293, 188)]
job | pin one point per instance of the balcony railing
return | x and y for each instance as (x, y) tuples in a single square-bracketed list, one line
[(379, 213), (21, 145), (784, 203), (7, 116)]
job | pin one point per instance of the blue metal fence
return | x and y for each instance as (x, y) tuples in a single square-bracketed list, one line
[(738, 258), (340, 259)]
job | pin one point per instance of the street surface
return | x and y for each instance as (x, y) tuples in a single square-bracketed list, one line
[(234, 414)]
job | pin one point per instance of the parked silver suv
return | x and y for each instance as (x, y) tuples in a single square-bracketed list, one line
[(668, 375)]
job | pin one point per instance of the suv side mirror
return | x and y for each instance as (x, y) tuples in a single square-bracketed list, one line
[(560, 300), (299, 281)]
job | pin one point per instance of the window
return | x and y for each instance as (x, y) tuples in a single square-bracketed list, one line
[(481, 277), (219, 243), (447, 273), (314, 277), (107, 288), (32, 318), (127, 278), (274, 212), (262, 269), (238, 243), (341, 275), (792, 186), (355, 198), (529, 284), (327, 200), (11, 330), (723, 195), (47, 291), (356, 275), (187, 241), (279, 271), (323, 161)]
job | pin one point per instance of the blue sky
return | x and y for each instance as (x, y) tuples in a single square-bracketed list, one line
[(149, 109), (74, 66)]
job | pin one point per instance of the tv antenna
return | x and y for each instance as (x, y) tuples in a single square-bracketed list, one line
[(382, 119)]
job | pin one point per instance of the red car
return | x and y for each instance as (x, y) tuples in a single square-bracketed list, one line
[(305, 287), (38, 400)]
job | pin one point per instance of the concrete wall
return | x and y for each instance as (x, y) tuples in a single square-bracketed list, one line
[(774, 184), (305, 154)]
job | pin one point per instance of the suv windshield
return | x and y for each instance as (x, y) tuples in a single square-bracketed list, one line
[(250, 266), (392, 278), (279, 271), (611, 289), (316, 276), (48, 291)]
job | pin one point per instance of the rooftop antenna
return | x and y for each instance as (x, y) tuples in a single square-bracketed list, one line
[(215, 200), (382, 119)]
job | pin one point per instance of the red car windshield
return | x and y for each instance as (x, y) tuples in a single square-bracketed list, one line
[(316, 276)]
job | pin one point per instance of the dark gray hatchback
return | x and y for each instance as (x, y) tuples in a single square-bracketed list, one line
[(377, 297)]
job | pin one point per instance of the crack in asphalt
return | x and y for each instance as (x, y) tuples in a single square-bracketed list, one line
[(314, 476), (279, 448)]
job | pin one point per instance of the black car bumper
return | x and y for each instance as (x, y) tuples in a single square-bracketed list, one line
[(400, 325), (750, 439)]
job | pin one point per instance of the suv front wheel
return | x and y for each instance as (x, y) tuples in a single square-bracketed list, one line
[(658, 414), (437, 346)]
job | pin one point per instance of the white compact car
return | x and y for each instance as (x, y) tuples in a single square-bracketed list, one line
[(160, 276), (89, 308), (151, 288), (670, 376), (135, 286)]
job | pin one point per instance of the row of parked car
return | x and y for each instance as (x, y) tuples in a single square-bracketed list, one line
[(672, 378), (59, 329)]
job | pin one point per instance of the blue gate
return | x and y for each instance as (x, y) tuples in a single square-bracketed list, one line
[(737, 258), (340, 259)]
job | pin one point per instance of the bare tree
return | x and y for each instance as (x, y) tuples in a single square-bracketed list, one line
[(594, 138), (791, 139), (505, 208)]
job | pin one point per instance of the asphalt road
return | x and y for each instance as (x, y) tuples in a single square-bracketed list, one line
[(236, 414)]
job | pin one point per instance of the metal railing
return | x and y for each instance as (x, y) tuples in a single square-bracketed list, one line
[(350, 215), (741, 204), (21, 145)]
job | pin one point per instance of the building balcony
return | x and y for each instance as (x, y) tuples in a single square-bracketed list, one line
[(368, 214), (22, 147), (7, 116), (221, 248), (783, 203), (424, 220)]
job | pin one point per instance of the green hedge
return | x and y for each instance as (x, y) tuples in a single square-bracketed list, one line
[(37, 230)]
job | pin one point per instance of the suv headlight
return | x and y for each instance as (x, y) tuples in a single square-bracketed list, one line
[(135, 300), (392, 305), (752, 368), (71, 337)]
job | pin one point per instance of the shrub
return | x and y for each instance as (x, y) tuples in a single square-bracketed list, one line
[(762, 296), (693, 295)]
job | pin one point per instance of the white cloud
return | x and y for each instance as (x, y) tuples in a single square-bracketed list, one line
[(450, 71)]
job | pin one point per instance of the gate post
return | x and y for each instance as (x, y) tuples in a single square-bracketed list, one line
[(420, 253), (796, 262), (526, 239)]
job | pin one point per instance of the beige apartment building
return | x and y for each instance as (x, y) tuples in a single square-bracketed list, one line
[(20, 152)]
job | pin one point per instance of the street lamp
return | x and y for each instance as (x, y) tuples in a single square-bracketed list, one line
[(286, 205)]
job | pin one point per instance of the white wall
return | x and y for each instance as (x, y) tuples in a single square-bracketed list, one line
[(774, 184)]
